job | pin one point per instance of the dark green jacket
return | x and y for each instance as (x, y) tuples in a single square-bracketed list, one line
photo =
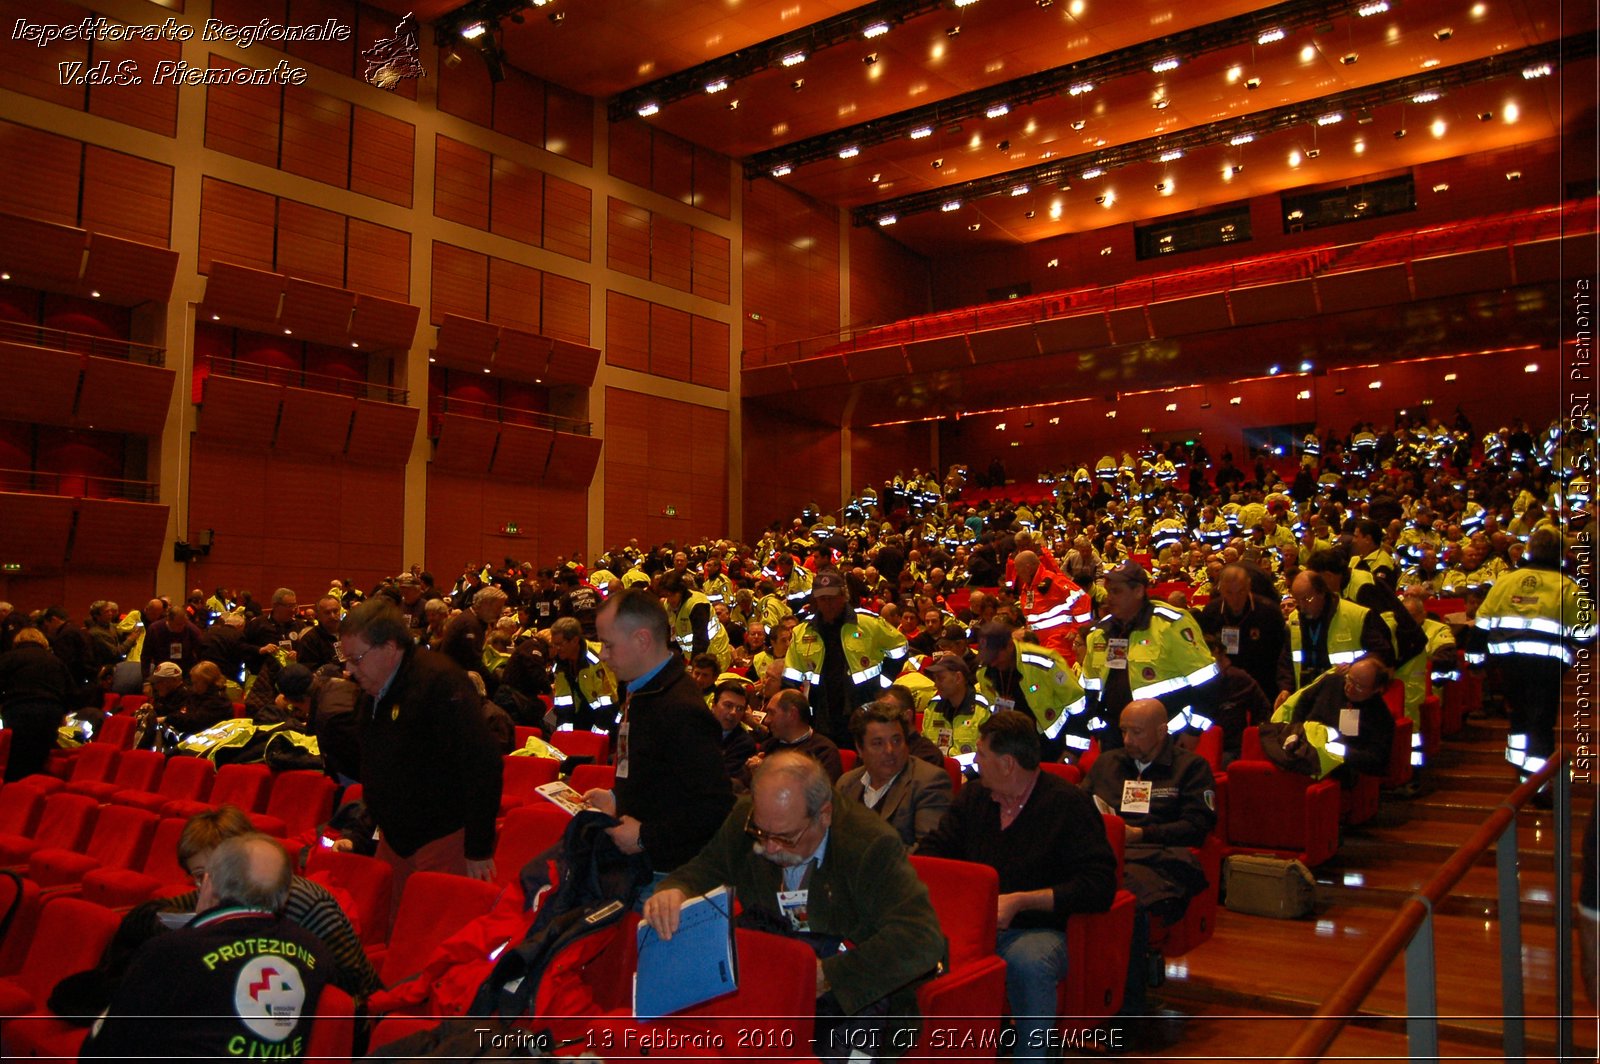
[(865, 892)]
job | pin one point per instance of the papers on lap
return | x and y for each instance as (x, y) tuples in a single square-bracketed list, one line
[(697, 964)]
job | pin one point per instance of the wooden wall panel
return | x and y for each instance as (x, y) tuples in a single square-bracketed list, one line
[(460, 282), (669, 342), (316, 136), (228, 494), (662, 455), (518, 110), (888, 281), (378, 260), (791, 263), (118, 396), (567, 229), (311, 243), (709, 343), (382, 156), (566, 309), (43, 173), (712, 259), (569, 124), (143, 106), (382, 433), (336, 55), (627, 333), (314, 423), (237, 225), (244, 121), (672, 174), (629, 158), (514, 295), (627, 238), (670, 244), (466, 91), (788, 463), (461, 183), (31, 70), (516, 202), (126, 196), (712, 182), (35, 530), (113, 535)]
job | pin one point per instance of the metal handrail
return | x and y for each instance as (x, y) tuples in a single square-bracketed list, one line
[(1416, 915), (76, 343), (44, 482), (225, 366)]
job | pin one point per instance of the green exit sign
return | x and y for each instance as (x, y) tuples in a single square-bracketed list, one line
[(11, 567)]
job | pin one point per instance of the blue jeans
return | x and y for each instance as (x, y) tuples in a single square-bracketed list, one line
[(1036, 960)]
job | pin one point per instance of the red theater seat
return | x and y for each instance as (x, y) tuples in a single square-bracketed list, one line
[(433, 907), (586, 778), (1274, 811), (185, 779), (968, 998), (70, 937), (244, 787), (302, 801), (521, 776), (20, 897), (138, 770), (1098, 945), (120, 839), (367, 880), (64, 824), (583, 744), (529, 831), (160, 876)]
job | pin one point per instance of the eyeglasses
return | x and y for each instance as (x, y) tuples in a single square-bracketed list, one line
[(786, 840), (198, 875), (351, 662)]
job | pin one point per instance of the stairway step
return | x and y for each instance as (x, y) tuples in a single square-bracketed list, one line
[(1389, 884), (1435, 840)]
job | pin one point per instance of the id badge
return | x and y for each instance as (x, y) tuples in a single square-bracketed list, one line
[(946, 737), (1349, 721), (795, 905), (176, 652), (1136, 796), (1230, 640), (1116, 653), (1003, 704), (622, 751)]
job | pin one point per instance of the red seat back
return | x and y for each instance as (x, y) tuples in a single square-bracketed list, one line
[(70, 937), (139, 770), (188, 778), (367, 880), (95, 763), (118, 731), (122, 836), (523, 774), (244, 786), (22, 893), (586, 778), (66, 822), (964, 895), (847, 758), (1068, 773), (302, 799), (161, 859), (529, 831), (434, 907), (333, 1028), (20, 805), (583, 744)]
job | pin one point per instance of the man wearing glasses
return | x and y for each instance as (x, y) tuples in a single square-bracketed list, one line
[(1343, 716), (802, 857), (430, 770)]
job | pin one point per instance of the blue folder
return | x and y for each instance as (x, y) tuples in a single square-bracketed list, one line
[(697, 964)]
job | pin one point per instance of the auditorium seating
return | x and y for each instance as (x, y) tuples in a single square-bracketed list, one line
[(586, 778), (19, 809), (64, 824), (1098, 945), (120, 839), (159, 876), (93, 763), (588, 744), (245, 787), (968, 997), (184, 779), (301, 801), (529, 831), (1271, 810), (433, 907), (70, 936), (137, 770), (367, 880), (520, 778), (19, 896)]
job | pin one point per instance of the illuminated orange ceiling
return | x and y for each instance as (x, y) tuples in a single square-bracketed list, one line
[(603, 47)]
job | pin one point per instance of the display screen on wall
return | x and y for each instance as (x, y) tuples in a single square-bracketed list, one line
[(1171, 236), (1350, 203)]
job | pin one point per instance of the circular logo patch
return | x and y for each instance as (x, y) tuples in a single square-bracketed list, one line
[(1149, 673), (268, 996)]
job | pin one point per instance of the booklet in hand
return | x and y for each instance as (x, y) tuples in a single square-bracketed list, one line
[(697, 964), (563, 794)]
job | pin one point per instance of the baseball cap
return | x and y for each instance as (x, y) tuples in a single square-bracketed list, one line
[(294, 680), (828, 582), (1130, 573), (992, 638), (167, 670), (947, 663)]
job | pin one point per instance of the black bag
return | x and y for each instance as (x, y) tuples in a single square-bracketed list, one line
[(591, 885), (1301, 757)]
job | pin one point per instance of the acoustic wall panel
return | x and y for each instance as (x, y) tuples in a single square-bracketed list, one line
[(122, 396), (314, 423), (382, 433)]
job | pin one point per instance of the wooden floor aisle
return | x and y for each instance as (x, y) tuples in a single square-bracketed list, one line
[(1245, 994)]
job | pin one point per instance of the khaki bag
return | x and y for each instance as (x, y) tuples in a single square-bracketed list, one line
[(1268, 886)]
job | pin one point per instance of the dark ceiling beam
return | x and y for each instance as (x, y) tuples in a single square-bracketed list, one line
[(1093, 72), (1352, 103), (807, 41)]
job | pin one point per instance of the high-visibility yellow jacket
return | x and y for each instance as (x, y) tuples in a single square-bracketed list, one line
[(1167, 660), (1050, 686), (715, 635), (596, 686)]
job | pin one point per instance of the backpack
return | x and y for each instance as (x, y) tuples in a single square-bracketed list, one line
[(580, 886)]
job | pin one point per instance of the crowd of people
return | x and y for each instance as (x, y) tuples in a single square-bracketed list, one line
[(1129, 607)]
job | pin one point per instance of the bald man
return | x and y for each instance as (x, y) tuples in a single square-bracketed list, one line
[(1167, 798), (1342, 715)]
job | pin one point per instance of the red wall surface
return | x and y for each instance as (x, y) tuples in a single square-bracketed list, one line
[(467, 515), (788, 463), (666, 470)]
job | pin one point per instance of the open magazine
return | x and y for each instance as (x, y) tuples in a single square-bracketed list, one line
[(563, 794)]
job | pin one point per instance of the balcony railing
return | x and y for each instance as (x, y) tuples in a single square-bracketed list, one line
[(76, 485), (508, 415), (81, 343), (223, 366)]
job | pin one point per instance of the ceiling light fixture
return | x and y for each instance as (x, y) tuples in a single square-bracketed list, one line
[(998, 110), (950, 205), (793, 59), (1080, 87), (1020, 190), (1269, 36), (473, 30), (1164, 65), (1079, 124), (1425, 97), (1242, 138), (717, 85), (849, 153), (1541, 70), (876, 29), (1161, 104), (1376, 7), (921, 132), (648, 109), (888, 219), (1169, 156), (1090, 175), (1252, 83), (1330, 119), (782, 171)]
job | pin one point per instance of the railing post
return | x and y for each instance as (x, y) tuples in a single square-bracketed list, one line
[(1509, 899), (1562, 804), (1422, 992)]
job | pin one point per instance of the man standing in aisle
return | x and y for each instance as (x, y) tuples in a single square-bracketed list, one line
[(843, 657), (430, 770)]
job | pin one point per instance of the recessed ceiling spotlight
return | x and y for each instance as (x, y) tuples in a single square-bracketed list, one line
[(1169, 156), (953, 31), (1399, 134), (1079, 124), (1052, 264), (1425, 97), (1252, 83), (1019, 190), (1090, 175), (793, 59), (94, 294), (998, 110), (1242, 138), (1375, 7), (782, 170), (1349, 58), (973, 228), (1161, 186), (1027, 214), (1332, 118), (733, 105), (1542, 70), (937, 163), (1313, 153), (1161, 104), (556, 17), (1513, 175), (716, 86), (887, 219), (1164, 65), (1443, 33), (850, 152), (870, 58), (1004, 145), (797, 84), (1079, 88)]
